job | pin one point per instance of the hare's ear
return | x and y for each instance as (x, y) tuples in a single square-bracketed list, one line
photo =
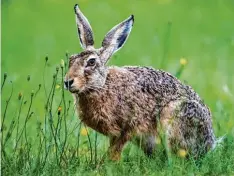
[(84, 29), (115, 38)]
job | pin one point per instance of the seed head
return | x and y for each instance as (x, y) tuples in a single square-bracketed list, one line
[(57, 69), (5, 75), (62, 63), (20, 96), (54, 75), (28, 78), (32, 93), (46, 58)]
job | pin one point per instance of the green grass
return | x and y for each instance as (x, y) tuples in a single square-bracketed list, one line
[(38, 140)]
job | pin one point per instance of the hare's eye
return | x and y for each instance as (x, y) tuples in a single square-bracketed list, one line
[(91, 62)]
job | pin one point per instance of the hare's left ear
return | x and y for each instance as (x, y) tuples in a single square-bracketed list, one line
[(116, 38), (84, 29)]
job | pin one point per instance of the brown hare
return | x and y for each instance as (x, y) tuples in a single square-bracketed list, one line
[(131, 102)]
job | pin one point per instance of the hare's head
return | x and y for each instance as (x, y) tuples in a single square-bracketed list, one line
[(87, 70)]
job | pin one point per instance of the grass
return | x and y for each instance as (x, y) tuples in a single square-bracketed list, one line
[(40, 132), (59, 144)]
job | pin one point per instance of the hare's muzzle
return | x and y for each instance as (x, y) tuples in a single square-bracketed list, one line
[(68, 83)]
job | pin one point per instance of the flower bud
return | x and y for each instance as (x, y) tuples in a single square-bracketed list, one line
[(20, 96), (5, 75), (28, 78), (62, 63), (183, 61)]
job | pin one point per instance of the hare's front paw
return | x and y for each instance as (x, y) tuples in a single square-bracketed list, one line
[(114, 155)]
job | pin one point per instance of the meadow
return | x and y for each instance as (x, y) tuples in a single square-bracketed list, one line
[(40, 131)]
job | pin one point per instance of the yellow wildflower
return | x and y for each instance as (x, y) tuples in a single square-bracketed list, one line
[(183, 61), (59, 110), (182, 153), (57, 86), (158, 141), (84, 131)]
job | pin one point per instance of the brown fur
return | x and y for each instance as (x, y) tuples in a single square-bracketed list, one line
[(127, 102)]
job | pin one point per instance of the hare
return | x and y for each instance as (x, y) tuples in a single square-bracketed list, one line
[(130, 103)]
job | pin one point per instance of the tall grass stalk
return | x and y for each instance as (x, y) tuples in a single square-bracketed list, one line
[(32, 145)]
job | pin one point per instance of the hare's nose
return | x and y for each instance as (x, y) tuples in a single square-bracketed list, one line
[(68, 83)]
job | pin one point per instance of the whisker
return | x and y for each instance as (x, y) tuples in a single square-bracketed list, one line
[(97, 87), (93, 88)]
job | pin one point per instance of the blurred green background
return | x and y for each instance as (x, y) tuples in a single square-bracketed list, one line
[(200, 31)]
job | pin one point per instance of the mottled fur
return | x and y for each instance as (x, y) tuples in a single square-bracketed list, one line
[(131, 102)]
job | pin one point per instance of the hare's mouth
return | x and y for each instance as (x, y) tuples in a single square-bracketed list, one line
[(73, 90)]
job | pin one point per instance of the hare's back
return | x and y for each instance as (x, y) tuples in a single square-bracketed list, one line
[(162, 84)]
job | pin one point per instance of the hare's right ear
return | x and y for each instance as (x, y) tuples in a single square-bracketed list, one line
[(84, 29), (116, 38)]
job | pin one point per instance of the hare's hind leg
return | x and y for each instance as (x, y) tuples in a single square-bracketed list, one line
[(188, 126), (146, 142)]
